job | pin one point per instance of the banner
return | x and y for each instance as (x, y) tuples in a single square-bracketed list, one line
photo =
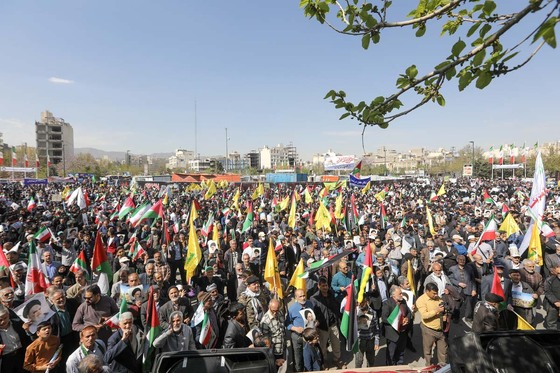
[(507, 166), (27, 182), (341, 162), (360, 183), (18, 169)]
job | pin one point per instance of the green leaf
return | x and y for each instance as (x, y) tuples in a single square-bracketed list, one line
[(330, 94), (421, 31), (303, 3), (383, 125), (465, 80), (483, 79), (546, 31), (479, 58), (344, 116), (440, 100), (473, 29), (412, 71), (375, 37), (484, 30), (488, 8), (458, 48), (442, 65), (365, 41), (449, 74)]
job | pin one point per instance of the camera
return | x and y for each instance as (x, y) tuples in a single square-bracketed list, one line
[(446, 307)]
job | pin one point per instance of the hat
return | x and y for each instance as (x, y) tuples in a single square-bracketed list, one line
[(494, 298), (211, 287), (252, 280), (471, 237), (124, 259), (439, 252), (18, 267), (203, 297), (281, 237), (43, 324), (457, 237), (513, 270), (209, 268), (262, 234), (514, 251), (499, 264)]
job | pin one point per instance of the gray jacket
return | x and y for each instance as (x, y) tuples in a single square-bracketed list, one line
[(169, 341)]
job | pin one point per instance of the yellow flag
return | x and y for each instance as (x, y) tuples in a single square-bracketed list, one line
[(338, 207), (211, 190), (324, 192), (410, 276), (366, 188), (430, 221), (522, 324), (284, 203), (292, 215), (509, 225), (298, 197), (236, 200), (296, 281), (322, 217), (215, 236), (307, 196), (194, 255), (441, 190), (381, 195), (66, 192), (194, 212), (255, 194), (260, 189), (534, 251), (271, 274)]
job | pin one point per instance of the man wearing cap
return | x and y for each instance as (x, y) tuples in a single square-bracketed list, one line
[(459, 244), (486, 314), (126, 346), (208, 279), (255, 301), (523, 298), (514, 259), (486, 285), (462, 279), (176, 303), (552, 298)]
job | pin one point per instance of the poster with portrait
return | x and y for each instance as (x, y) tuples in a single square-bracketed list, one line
[(408, 296), (131, 292), (308, 317), (364, 321), (523, 300), (34, 311)]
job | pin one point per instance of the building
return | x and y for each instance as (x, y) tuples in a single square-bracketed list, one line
[(180, 160), (54, 137), (278, 157), (253, 159)]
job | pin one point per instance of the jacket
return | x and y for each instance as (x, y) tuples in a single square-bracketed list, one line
[(236, 336), (390, 333), (120, 355)]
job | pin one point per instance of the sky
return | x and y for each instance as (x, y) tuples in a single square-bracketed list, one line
[(128, 75)]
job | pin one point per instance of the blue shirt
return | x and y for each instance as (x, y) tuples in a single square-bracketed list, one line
[(294, 318), (340, 280)]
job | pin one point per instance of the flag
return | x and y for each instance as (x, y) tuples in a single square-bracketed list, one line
[(433, 196), (194, 255), (505, 209), (235, 200), (367, 187), (154, 212), (381, 195), (208, 226), (80, 264), (99, 260), (488, 234), (441, 190), (357, 170), (366, 272), (292, 214), (522, 324), (153, 330), (31, 204), (215, 235), (284, 203), (354, 209), (249, 218), (383, 216), (524, 154), (65, 192), (535, 250), (14, 156), (43, 235), (410, 276), (307, 195), (322, 218), (491, 158), (127, 207), (498, 290), (396, 317), (113, 322), (403, 222), (509, 225), (501, 155), (487, 197), (48, 161), (136, 251), (349, 323), (35, 281), (537, 200), (271, 274), (211, 190), (511, 154), (207, 334), (338, 207), (1, 157), (430, 222), (297, 280), (25, 160), (136, 217), (4, 264)]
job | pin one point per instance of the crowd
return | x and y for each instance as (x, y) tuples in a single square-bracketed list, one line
[(435, 265)]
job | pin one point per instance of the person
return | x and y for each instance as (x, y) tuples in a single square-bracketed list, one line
[(255, 301), (328, 316), (486, 283), (523, 298), (552, 298), (294, 323), (178, 337), (433, 313), (272, 326), (236, 332), (92, 364), (461, 278), (125, 347), (14, 341), (341, 280), (396, 333), (312, 356), (439, 278), (89, 345), (486, 315), (39, 354), (95, 311), (205, 306), (32, 311), (176, 303), (368, 334), (175, 255), (76, 291), (61, 322)]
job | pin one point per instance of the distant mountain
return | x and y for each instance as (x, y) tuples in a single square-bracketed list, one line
[(115, 156)]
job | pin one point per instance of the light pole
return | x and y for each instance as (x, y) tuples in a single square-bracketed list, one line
[(227, 156), (472, 142)]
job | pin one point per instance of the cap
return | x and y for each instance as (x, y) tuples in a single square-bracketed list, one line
[(43, 324), (514, 251), (457, 237), (124, 259), (209, 268), (211, 287), (471, 237), (261, 234), (494, 298), (499, 264), (252, 280), (513, 270)]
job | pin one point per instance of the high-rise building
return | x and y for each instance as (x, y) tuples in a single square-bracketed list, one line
[(55, 137)]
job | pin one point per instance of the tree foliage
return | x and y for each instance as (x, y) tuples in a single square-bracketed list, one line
[(478, 55)]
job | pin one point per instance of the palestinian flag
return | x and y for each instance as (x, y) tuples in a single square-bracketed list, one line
[(349, 323), (383, 216), (126, 208), (154, 212), (4, 264), (505, 209), (80, 264), (43, 235), (357, 170), (326, 262), (153, 330), (208, 225), (249, 219), (498, 290), (113, 322), (31, 204), (136, 251), (115, 213), (354, 209), (366, 272), (99, 261), (36, 281), (395, 319), (487, 197)]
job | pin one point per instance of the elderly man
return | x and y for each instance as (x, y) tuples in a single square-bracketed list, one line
[(327, 312), (531, 276), (62, 322), (161, 266), (462, 279), (15, 341), (176, 303), (341, 280), (147, 278), (523, 298), (552, 298), (178, 337), (95, 311), (126, 346), (89, 345), (255, 301), (486, 317), (272, 326), (439, 278), (295, 323), (49, 267), (396, 332), (76, 291)]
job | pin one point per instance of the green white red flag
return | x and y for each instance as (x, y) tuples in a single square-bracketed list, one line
[(249, 219), (31, 204), (127, 207), (35, 281), (80, 264), (43, 235), (395, 319)]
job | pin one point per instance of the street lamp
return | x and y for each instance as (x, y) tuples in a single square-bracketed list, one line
[(472, 142), (227, 155)]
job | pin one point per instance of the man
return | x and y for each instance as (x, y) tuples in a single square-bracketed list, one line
[(116, 288), (95, 311), (76, 291), (427, 255), (523, 298), (532, 277), (551, 260), (439, 278), (295, 323), (204, 281), (161, 266), (486, 315), (341, 280), (327, 312), (179, 336), (175, 260), (15, 342), (272, 326), (147, 278), (432, 312), (487, 280), (62, 322), (89, 345), (255, 302), (49, 267), (236, 332), (478, 269), (552, 297), (461, 278), (396, 331), (125, 347), (175, 303), (514, 259)]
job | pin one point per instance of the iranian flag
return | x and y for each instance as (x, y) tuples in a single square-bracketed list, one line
[(395, 319), (127, 207), (136, 251), (36, 161), (349, 323), (207, 226), (501, 155), (43, 235), (249, 219), (31, 204), (488, 234), (80, 264), (36, 281), (153, 330), (433, 196), (176, 226), (14, 156), (25, 161), (99, 261), (1, 157), (113, 322), (491, 159), (137, 215)]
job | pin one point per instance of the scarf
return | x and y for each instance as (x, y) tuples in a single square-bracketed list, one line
[(255, 303)]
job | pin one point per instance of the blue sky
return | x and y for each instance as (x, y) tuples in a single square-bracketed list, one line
[(126, 75)]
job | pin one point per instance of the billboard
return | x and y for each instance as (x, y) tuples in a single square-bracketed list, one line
[(340, 162)]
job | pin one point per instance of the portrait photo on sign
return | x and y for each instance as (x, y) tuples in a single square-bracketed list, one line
[(308, 317), (34, 311)]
